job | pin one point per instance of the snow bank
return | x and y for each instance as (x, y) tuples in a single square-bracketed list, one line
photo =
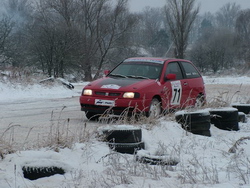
[(11, 92)]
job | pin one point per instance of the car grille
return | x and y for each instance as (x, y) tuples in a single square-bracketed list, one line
[(107, 94), (103, 109)]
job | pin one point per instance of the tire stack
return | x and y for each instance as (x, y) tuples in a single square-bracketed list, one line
[(245, 108), (197, 122), (244, 111), (225, 118), (124, 139)]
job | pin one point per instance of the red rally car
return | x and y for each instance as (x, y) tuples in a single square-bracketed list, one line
[(144, 85)]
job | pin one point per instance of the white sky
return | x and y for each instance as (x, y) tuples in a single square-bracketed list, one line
[(205, 5)]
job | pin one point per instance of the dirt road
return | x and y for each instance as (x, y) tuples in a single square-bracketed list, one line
[(26, 121), (228, 93)]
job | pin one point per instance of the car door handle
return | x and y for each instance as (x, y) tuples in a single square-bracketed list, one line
[(185, 83)]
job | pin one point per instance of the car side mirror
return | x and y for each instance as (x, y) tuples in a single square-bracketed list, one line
[(106, 72), (171, 77)]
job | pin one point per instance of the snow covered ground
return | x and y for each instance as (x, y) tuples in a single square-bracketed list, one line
[(202, 161)]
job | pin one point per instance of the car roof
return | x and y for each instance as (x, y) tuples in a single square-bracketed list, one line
[(159, 60)]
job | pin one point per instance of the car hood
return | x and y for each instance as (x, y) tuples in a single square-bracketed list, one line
[(119, 83)]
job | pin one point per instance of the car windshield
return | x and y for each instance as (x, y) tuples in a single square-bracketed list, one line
[(138, 70)]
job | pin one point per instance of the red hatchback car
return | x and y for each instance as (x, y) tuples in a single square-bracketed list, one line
[(144, 85)]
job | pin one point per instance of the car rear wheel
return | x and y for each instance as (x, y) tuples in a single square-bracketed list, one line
[(200, 101), (154, 108)]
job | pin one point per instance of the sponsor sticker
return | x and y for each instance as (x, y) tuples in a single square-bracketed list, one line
[(101, 102), (111, 86)]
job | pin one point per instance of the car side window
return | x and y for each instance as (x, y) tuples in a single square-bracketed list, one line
[(174, 68), (190, 70)]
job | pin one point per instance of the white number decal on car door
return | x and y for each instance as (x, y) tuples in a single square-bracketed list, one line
[(176, 92)]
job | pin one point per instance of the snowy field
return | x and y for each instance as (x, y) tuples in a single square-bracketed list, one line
[(203, 162)]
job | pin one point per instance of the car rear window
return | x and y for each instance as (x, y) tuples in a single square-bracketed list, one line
[(190, 70)]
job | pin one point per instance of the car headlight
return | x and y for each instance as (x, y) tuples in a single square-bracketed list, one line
[(87, 92), (129, 95)]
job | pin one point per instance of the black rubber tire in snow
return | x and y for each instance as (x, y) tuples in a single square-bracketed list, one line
[(245, 108), (194, 121), (225, 118), (33, 173)]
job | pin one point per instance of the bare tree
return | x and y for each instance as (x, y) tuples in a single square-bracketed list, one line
[(227, 15), (215, 50), (152, 34), (6, 27), (180, 15), (78, 34), (114, 27), (102, 27), (51, 37), (243, 35)]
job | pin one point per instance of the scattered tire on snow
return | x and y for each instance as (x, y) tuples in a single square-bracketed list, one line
[(146, 157), (157, 160), (61, 80), (33, 173), (245, 108), (225, 118), (197, 122)]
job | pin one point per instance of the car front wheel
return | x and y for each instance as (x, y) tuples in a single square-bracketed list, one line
[(92, 116), (154, 108)]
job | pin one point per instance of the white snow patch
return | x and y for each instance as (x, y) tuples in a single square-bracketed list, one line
[(204, 162)]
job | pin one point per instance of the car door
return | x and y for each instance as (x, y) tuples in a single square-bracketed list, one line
[(193, 81), (179, 88)]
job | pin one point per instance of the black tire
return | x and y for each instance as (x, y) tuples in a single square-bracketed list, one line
[(154, 160), (154, 109), (68, 85), (129, 148), (123, 135), (33, 173), (194, 121), (92, 116), (225, 119), (245, 108)]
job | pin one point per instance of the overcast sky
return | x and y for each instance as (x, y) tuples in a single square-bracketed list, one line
[(205, 5)]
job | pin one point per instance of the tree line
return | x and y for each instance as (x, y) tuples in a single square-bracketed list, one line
[(83, 37)]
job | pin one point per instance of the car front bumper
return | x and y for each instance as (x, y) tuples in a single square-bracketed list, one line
[(120, 106)]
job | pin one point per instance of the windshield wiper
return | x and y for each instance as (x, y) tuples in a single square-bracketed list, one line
[(139, 77), (118, 75)]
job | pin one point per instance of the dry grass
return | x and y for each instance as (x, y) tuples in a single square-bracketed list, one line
[(61, 135)]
